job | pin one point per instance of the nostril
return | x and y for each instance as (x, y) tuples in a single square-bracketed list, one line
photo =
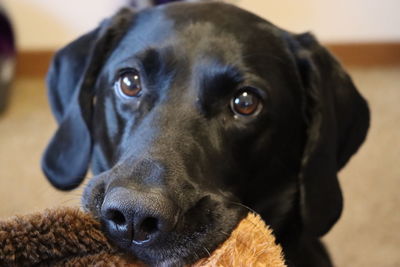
[(149, 225), (116, 216), (143, 233)]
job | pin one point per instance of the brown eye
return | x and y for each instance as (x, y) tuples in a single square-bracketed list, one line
[(128, 84), (246, 103)]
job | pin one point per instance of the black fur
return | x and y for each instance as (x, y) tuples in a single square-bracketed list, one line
[(180, 146)]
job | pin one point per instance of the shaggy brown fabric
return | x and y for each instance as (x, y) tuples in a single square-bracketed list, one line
[(250, 244), (70, 237)]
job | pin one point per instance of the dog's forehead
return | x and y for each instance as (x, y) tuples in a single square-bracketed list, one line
[(223, 16), (200, 28)]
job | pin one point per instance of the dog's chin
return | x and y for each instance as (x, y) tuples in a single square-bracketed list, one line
[(200, 230)]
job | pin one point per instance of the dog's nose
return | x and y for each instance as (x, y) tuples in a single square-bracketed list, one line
[(136, 217)]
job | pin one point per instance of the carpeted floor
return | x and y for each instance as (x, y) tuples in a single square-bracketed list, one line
[(367, 235)]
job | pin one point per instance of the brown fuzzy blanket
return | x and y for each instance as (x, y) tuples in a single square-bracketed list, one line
[(70, 237)]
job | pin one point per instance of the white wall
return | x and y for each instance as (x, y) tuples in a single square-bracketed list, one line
[(49, 24), (334, 20)]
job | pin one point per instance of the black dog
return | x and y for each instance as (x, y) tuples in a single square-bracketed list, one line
[(190, 112)]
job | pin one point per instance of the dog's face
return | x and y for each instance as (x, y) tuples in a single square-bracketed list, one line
[(189, 113)]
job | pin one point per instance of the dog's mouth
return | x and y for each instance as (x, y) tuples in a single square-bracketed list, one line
[(196, 233)]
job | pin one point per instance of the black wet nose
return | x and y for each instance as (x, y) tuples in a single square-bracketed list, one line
[(135, 217)]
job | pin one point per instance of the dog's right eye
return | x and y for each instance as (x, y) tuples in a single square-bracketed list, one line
[(128, 84)]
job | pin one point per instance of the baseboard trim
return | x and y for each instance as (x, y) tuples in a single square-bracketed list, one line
[(33, 63), (36, 63), (367, 54)]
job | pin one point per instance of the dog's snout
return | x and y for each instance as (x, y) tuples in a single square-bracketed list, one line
[(140, 229), (138, 218)]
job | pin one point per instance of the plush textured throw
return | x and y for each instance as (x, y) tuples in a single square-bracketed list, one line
[(70, 237)]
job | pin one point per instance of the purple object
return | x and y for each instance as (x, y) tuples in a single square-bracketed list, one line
[(7, 57), (148, 3), (6, 35), (160, 2)]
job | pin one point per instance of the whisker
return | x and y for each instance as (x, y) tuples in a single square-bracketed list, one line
[(225, 233), (244, 206), (208, 252)]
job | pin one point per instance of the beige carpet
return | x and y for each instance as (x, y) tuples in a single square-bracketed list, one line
[(367, 235)]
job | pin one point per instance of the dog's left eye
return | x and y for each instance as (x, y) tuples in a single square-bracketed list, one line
[(128, 84), (246, 103)]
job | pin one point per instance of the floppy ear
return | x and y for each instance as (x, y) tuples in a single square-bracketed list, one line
[(337, 119), (71, 81)]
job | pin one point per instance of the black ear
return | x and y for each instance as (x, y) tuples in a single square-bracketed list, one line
[(71, 80), (337, 119)]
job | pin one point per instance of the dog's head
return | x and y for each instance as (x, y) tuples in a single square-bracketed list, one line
[(189, 112)]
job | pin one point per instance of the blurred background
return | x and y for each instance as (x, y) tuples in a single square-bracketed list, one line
[(364, 34)]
